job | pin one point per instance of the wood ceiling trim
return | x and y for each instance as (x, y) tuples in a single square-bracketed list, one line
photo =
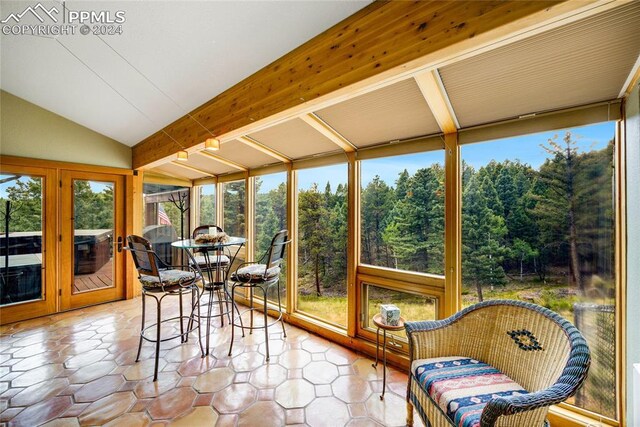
[(634, 77), (222, 160), (436, 96), (266, 150), (334, 136), (191, 168), (381, 41)]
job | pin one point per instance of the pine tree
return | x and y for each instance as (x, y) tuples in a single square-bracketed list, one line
[(483, 232), (377, 202)]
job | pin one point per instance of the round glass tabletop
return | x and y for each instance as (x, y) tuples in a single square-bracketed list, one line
[(192, 244)]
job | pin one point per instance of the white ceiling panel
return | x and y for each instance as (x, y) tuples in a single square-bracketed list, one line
[(398, 111), (295, 139), (244, 155), (583, 62)]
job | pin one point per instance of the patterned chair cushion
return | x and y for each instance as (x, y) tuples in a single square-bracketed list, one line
[(255, 273), (168, 278), (202, 261), (461, 387)]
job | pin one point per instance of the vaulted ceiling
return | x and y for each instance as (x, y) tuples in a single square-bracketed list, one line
[(171, 57)]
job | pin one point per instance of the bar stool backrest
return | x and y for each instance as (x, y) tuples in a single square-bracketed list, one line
[(146, 261), (277, 249)]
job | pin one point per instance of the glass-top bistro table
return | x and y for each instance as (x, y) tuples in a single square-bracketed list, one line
[(214, 276)]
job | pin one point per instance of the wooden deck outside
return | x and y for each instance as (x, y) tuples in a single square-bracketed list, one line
[(101, 279)]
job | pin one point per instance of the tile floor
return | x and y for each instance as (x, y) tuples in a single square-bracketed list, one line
[(78, 368)]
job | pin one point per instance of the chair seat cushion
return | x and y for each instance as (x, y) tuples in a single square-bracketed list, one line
[(215, 260), (461, 387), (168, 278), (255, 273)]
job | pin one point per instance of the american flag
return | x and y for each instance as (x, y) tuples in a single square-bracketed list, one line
[(163, 218)]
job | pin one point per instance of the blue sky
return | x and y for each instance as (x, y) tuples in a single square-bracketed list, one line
[(525, 148)]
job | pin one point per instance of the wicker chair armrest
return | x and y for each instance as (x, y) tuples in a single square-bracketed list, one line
[(573, 376)]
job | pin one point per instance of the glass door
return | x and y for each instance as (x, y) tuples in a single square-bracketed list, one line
[(27, 243), (92, 238)]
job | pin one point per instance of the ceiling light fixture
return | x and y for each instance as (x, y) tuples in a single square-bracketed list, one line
[(183, 156), (212, 144)]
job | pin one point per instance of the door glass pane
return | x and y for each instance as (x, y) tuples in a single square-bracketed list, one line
[(271, 217), (322, 243), (93, 210), (21, 245), (538, 225)]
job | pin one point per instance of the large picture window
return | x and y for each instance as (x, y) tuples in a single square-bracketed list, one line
[(402, 212), (234, 208), (538, 225), (322, 243)]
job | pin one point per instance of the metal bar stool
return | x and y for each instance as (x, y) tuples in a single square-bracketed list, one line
[(263, 276), (160, 280), (214, 264)]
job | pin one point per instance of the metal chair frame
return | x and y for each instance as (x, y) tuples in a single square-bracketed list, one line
[(154, 267), (274, 258)]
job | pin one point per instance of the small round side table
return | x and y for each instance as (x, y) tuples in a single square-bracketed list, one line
[(377, 320)]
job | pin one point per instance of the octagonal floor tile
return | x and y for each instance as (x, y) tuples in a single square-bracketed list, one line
[(320, 372), (325, 408), (235, 398), (295, 393), (37, 375), (390, 412), (200, 416), (351, 388), (39, 392), (97, 389), (262, 413), (131, 419), (172, 404), (85, 359), (247, 361), (92, 372), (143, 369), (268, 376), (106, 409), (214, 380), (294, 359), (42, 412), (148, 388)]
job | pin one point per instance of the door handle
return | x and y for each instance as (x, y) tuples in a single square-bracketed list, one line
[(119, 243)]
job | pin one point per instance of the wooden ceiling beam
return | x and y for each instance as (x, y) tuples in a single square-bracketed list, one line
[(632, 79), (222, 160), (381, 42), (436, 96), (330, 133), (264, 149), (191, 168)]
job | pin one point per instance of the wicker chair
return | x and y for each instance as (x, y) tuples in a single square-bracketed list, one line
[(514, 360)]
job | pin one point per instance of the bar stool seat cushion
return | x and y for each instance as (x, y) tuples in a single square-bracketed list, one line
[(168, 278), (215, 260), (255, 273)]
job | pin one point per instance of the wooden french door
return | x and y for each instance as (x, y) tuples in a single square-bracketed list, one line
[(92, 236), (27, 242)]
